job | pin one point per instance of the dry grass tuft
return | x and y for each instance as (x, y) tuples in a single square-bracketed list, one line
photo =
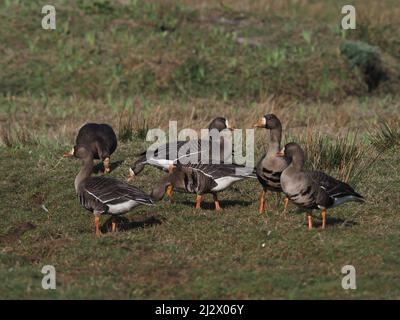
[(386, 136)]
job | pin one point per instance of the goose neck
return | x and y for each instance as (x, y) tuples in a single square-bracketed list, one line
[(85, 171)]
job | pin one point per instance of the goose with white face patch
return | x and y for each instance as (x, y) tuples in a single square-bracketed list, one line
[(202, 179), (311, 190), (105, 195), (270, 166)]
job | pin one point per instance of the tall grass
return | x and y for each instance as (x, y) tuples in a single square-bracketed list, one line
[(14, 136), (386, 136), (343, 156), (130, 126)]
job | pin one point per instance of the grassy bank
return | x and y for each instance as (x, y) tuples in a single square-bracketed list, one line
[(137, 65)]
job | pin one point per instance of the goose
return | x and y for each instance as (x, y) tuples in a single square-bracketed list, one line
[(105, 195), (311, 190), (99, 139), (202, 179), (270, 166), (167, 154)]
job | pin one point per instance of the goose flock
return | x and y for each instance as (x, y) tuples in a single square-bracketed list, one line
[(280, 170)]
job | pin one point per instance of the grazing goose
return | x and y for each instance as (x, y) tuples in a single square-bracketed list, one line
[(99, 139), (167, 154), (105, 195), (202, 179), (311, 190), (270, 167)]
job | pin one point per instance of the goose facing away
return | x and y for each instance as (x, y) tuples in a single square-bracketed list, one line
[(99, 139), (166, 155), (270, 166), (311, 190), (202, 179), (105, 195)]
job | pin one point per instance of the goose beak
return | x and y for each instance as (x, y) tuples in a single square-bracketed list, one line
[(131, 175), (228, 125), (69, 154), (281, 153), (260, 123)]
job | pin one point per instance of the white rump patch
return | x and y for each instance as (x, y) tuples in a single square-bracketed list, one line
[(225, 182), (162, 163), (122, 207)]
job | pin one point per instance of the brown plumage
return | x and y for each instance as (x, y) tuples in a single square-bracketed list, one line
[(270, 166), (201, 179), (311, 190), (166, 155), (99, 139), (104, 195)]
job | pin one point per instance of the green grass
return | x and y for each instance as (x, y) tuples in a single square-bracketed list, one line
[(185, 253), (137, 65)]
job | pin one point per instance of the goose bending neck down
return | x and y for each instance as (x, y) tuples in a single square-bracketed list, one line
[(99, 139), (167, 155), (105, 195), (311, 190), (201, 179)]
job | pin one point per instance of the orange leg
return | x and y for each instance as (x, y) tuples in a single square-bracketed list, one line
[(262, 203), (310, 225), (217, 206), (285, 204), (198, 201), (170, 191), (114, 225), (323, 218), (97, 224), (106, 163)]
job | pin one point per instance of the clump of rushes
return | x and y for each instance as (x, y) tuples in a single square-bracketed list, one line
[(385, 137), (125, 128), (342, 157), (15, 136), (130, 127)]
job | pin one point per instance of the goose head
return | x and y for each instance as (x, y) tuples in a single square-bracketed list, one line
[(293, 153), (269, 121), (220, 124)]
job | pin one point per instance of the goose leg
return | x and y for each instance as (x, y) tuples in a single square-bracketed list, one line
[(198, 201), (323, 218), (310, 224), (285, 205), (97, 223), (114, 225), (170, 191), (216, 201), (170, 188), (262, 203), (106, 163)]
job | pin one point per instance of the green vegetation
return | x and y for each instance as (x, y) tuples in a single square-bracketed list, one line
[(137, 65)]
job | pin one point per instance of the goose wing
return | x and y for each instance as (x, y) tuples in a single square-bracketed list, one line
[(333, 187), (216, 171), (111, 191)]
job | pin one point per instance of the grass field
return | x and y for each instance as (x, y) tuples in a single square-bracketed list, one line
[(137, 65)]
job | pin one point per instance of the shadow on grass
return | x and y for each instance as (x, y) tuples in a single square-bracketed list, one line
[(225, 204), (331, 221), (124, 224), (99, 168)]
